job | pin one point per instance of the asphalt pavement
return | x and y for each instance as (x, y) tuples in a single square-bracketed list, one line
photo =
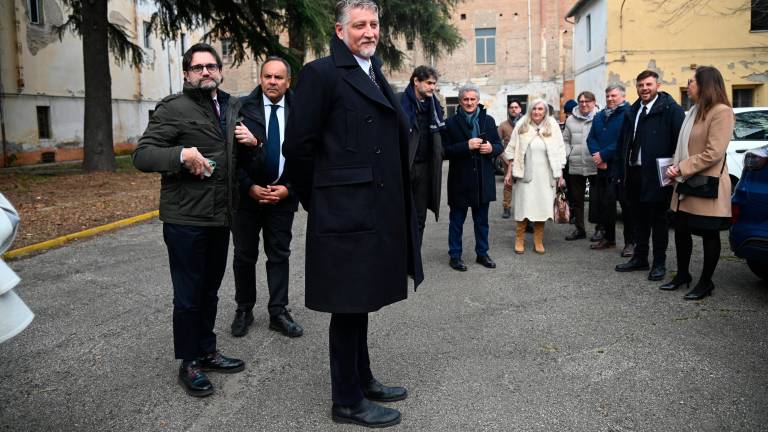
[(554, 342)]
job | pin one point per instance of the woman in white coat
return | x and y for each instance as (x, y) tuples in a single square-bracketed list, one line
[(537, 154)]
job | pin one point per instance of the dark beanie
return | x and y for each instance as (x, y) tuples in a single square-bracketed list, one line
[(570, 104)]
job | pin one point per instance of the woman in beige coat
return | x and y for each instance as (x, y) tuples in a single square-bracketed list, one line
[(701, 147), (537, 156)]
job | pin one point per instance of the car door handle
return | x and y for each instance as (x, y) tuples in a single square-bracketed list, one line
[(741, 151)]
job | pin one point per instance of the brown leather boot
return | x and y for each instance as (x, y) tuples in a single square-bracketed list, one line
[(520, 237), (538, 237)]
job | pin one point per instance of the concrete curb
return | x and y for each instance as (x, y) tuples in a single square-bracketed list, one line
[(48, 244)]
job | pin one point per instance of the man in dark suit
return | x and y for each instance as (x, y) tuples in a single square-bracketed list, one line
[(190, 141), (267, 204), (471, 142), (652, 133), (425, 149), (347, 145)]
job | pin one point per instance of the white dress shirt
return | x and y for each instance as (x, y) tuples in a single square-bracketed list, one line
[(280, 121), (637, 119), (365, 64)]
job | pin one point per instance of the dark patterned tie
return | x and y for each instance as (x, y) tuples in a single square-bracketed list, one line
[(635, 144), (372, 76), (273, 146)]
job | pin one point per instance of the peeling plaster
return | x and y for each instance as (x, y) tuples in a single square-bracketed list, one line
[(731, 66), (746, 64), (652, 66), (614, 78), (40, 36), (761, 77)]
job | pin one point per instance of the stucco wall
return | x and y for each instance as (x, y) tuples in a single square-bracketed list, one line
[(38, 69), (672, 39)]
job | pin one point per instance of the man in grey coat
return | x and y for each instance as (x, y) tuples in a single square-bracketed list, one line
[(580, 164)]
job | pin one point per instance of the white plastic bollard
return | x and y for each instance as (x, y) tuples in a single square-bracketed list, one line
[(15, 316)]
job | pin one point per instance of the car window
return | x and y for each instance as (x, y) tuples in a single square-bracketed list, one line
[(752, 125)]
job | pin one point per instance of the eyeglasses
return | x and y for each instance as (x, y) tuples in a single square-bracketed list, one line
[(212, 67), (691, 80), (585, 101)]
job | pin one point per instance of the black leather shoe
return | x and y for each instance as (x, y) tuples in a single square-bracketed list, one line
[(218, 363), (597, 236), (377, 391), (657, 273), (457, 264), (676, 282), (485, 261), (285, 324), (577, 234), (632, 265), (365, 413), (700, 291), (506, 214), (243, 320), (193, 380)]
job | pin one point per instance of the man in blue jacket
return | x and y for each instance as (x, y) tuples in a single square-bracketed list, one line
[(603, 142), (471, 142)]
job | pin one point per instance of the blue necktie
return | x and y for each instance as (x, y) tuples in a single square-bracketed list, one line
[(273, 146)]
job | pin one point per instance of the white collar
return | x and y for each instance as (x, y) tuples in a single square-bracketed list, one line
[(268, 102), (649, 104), (364, 63)]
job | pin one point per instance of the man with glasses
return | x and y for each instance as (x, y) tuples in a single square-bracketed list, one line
[(580, 164), (190, 142)]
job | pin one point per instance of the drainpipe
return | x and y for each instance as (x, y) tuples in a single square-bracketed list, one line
[(2, 125), (530, 45)]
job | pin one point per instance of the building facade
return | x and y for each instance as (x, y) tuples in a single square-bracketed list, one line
[(514, 49), (614, 40), (42, 85)]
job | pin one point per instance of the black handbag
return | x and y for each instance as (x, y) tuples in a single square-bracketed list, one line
[(701, 186)]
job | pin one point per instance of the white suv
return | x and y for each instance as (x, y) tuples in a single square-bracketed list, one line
[(750, 131)]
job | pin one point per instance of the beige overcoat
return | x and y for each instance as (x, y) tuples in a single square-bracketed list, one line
[(706, 152)]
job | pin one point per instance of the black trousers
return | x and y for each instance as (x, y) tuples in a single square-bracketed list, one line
[(650, 221), (577, 185), (275, 225), (602, 205), (421, 185), (197, 258), (350, 364)]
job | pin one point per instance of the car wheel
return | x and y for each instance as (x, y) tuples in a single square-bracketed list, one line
[(760, 269)]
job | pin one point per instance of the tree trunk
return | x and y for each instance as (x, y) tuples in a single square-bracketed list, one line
[(98, 151)]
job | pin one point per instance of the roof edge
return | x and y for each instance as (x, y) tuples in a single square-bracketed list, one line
[(576, 8)]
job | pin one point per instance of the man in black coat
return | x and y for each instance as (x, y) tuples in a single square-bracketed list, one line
[(267, 204), (652, 134), (347, 145), (425, 149), (471, 142)]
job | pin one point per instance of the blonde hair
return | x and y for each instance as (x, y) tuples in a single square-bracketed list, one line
[(527, 122)]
